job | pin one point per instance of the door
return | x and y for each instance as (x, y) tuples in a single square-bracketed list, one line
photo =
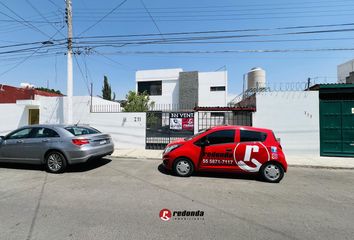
[(251, 152), (331, 127), (218, 154), (40, 140), (14, 147), (33, 116), (348, 127), (337, 128)]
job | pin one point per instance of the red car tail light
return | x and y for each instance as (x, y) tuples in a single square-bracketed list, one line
[(80, 142)]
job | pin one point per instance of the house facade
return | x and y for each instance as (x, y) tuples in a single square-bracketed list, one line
[(177, 89)]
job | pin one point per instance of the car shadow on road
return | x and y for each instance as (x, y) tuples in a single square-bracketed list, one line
[(81, 167), (90, 165), (240, 176)]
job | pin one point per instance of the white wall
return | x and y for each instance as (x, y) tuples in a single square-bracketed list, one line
[(170, 87), (12, 117), (206, 98), (127, 129), (294, 117)]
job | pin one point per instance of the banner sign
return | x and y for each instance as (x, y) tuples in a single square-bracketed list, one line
[(182, 121)]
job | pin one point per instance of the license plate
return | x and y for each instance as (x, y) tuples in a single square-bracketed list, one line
[(103, 142)]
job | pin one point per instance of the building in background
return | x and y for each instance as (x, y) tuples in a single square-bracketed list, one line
[(345, 72), (177, 90)]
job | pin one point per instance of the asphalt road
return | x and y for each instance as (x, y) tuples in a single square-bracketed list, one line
[(122, 198)]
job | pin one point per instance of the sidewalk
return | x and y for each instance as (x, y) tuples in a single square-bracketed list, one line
[(300, 161)]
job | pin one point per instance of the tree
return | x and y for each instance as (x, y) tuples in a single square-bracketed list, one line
[(107, 91), (48, 90), (137, 102)]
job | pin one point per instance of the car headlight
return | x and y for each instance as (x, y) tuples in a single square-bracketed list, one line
[(171, 148)]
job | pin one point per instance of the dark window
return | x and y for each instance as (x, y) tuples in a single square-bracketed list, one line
[(79, 131), (44, 133), (19, 134), (252, 136), (152, 88), (217, 114), (220, 137), (217, 88)]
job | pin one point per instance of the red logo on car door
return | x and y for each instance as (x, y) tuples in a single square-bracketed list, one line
[(250, 157)]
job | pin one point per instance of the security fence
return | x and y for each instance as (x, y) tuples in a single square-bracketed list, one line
[(165, 127)]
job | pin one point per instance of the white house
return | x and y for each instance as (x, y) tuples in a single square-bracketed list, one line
[(177, 89)]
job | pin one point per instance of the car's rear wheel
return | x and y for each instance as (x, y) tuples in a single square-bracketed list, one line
[(55, 162), (183, 167), (272, 172)]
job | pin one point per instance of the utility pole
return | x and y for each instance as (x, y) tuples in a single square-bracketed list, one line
[(69, 91)]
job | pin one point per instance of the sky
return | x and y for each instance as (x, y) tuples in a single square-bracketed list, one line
[(26, 21)]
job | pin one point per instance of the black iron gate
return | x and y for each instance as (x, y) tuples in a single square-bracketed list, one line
[(164, 127)]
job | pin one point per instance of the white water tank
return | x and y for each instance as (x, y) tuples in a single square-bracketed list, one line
[(256, 78)]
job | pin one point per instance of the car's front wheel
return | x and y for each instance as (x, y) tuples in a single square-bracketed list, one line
[(272, 172), (183, 167), (55, 162)]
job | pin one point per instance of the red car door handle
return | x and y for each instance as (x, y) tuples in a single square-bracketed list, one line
[(228, 149)]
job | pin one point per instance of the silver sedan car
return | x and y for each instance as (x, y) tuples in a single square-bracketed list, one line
[(56, 146)]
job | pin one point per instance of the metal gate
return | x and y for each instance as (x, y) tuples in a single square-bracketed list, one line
[(337, 128), (159, 132)]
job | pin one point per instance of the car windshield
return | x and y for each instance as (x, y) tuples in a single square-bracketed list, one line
[(80, 131), (197, 134)]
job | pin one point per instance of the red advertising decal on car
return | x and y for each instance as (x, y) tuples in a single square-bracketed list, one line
[(249, 157)]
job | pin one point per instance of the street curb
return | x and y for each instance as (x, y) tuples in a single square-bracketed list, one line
[(321, 167), (290, 165)]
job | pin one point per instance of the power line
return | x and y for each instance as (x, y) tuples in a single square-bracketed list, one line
[(223, 19), (82, 74), (56, 5), (229, 51), (154, 40), (253, 6), (121, 44), (213, 31), (106, 15), (29, 24), (225, 13), (28, 49), (42, 16), (114, 61), (103, 39), (152, 19), (25, 59), (28, 21)]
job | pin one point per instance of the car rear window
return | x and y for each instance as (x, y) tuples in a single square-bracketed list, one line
[(80, 131), (252, 136)]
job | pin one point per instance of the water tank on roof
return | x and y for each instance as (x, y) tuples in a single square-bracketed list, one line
[(256, 78)]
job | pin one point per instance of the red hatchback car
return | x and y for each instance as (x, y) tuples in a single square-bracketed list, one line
[(228, 149)]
